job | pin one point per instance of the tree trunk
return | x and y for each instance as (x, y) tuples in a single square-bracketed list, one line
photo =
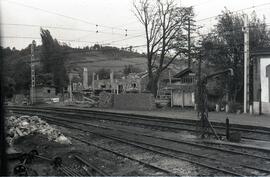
[(153, 85)]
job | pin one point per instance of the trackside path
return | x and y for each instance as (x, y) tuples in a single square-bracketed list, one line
[(240, 119)]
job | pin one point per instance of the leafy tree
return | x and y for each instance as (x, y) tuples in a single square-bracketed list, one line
[(16, 72), (22, 76), (104, 73), (52, 59), (130, 69), (9, 87), (164, 24), (224, 48)]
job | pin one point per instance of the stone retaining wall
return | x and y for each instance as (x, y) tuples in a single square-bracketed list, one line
[(134, 101)]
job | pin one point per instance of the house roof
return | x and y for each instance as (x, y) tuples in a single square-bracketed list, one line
[(45, 85), (261, 52), (183, 72), (145, 73)]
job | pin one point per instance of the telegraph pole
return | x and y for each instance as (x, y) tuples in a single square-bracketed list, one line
[(70, 86), (246, 64), (33, 78)]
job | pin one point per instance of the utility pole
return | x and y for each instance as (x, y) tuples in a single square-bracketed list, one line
[(246, 64), (33, 78), (70, 76), (189, 57)]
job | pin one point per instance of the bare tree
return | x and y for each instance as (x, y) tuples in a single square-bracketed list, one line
[(164, 24)]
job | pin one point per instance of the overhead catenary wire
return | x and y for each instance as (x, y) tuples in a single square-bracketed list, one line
[(247, 8), (66, 16), (61, 28), (71, 40), (113, 41)]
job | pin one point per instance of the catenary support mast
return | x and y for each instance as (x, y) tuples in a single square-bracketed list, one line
[(33, 77)]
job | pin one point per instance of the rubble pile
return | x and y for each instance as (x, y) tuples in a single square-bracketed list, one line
[(105, 100), (26, 125)]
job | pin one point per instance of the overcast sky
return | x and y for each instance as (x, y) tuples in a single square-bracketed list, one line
[(80, 17)]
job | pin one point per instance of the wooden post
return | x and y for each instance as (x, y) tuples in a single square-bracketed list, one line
[(183, 98), (171, 98), (227, 128), (260, 101), (170, 78)]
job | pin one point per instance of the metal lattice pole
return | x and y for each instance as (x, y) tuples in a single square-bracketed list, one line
[(33, 78)]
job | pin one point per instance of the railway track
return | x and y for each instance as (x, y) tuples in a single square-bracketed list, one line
[(147, 142), (161, 123)]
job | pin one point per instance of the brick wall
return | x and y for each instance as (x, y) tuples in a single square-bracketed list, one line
[(134, 101)]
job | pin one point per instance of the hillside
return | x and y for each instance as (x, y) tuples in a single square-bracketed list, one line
[(95, 60)]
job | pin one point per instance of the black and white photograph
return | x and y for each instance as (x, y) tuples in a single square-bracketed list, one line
[(135, 88)]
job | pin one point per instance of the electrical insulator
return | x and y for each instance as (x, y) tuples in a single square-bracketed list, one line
[(96, 28)]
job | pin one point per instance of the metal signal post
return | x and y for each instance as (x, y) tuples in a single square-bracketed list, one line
[(204, 124), (33, 78)]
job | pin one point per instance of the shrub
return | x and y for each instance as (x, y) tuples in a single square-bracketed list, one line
[(233, 107)]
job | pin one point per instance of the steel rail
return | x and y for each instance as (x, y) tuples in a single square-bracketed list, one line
[(125, 156), (68, 171), (98, 170), (145, 124), (177, 141), (181, 158), (153, 118), (172, 140), (157, 146), (181, 142), (246, 166), (159, 152)]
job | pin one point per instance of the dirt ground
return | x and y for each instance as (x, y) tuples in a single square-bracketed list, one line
[(110, 163)]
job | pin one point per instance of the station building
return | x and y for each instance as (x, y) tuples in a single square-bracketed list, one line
[(261, 82)]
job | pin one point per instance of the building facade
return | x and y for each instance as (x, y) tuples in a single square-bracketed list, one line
[(261, 82)]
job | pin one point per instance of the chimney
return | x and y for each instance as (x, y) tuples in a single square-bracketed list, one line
[(112, 81), (93, 81), (85, 78)]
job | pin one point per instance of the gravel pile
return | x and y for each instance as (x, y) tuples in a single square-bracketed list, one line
[(26, 125)]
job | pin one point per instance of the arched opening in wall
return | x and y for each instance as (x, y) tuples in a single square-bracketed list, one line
[(134, 85)]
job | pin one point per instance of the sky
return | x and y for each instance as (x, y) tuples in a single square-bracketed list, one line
[(114, 20)]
